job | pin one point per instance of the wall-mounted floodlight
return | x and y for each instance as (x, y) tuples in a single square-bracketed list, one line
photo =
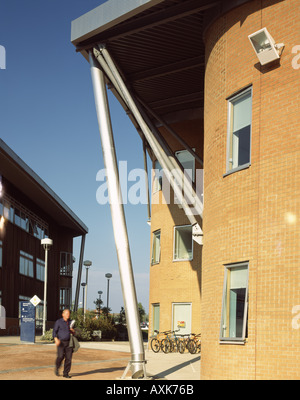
[(265, 47)]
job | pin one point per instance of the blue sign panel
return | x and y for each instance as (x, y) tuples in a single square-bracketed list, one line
[(27, 322)]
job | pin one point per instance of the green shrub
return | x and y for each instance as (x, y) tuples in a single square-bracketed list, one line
[(83, 334), (84, 327), (48, 336)]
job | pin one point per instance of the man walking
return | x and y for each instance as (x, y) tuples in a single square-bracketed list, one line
[(61, 334)]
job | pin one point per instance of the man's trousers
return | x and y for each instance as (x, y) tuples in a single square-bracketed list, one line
[(64, 352)]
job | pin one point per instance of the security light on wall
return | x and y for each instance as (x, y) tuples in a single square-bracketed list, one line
[(265, 47)]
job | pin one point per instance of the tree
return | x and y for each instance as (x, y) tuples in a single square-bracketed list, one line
[(142, 312), (122, 316), (106, 311), (98, 304)]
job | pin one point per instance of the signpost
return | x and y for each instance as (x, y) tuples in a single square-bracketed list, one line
[(28, 319)]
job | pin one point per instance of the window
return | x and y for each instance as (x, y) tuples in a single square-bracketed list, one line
[(40, 270), (235, 303), (65, 298), (26, 264), (183, 243), (19, 215), (157, 180), (1, 251), (21, 220), (156, 248), (66, 264), (239, 130), (155, 318), (188, 163), (39, 312)]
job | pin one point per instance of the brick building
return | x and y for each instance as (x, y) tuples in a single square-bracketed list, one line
[(192, 69), (31, 211), (251, 216)]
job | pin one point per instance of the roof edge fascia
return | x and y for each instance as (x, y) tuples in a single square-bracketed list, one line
[(106, 16)]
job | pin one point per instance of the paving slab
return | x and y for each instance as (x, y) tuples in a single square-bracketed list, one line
[(93, 361)]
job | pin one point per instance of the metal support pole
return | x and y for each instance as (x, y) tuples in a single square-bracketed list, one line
[(118, 221), (79, 273), (146, 180), (85, 295), (166, 160), (107, 300)]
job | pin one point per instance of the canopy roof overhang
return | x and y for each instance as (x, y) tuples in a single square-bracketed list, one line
[(158, 47), (19, 174)]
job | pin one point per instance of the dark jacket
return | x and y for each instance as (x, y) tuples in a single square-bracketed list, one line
[(61, 329)]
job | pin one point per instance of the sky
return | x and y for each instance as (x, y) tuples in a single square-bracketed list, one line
[(48, 119)]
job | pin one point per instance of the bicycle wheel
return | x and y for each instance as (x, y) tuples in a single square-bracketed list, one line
[(155, 345), (174, 345), (166, 346), (181, 347), (199, 347), (192, 347)]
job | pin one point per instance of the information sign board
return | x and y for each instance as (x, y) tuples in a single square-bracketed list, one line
[(27, 322)]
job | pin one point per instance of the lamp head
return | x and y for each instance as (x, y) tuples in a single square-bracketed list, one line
[(108, 276), (87, 263), (46, 243)]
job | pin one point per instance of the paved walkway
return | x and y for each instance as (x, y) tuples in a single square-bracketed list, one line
[(93, 361)]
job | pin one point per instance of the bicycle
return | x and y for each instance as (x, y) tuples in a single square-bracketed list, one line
[(194, 344), (169, 344), (156, 341), (182, 345)]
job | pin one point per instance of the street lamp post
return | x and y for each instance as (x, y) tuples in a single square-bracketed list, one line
[(46, 243), (87, 265), (100, 292), (108, 276), (83, 296)]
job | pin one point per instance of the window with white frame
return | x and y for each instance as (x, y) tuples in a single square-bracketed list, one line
[(26, 264), (156, 248), (157, 179), (235, 303), (183, 243), (239, 130), (188, 163)]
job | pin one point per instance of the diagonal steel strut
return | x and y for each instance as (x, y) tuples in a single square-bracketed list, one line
[(171, 167)]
